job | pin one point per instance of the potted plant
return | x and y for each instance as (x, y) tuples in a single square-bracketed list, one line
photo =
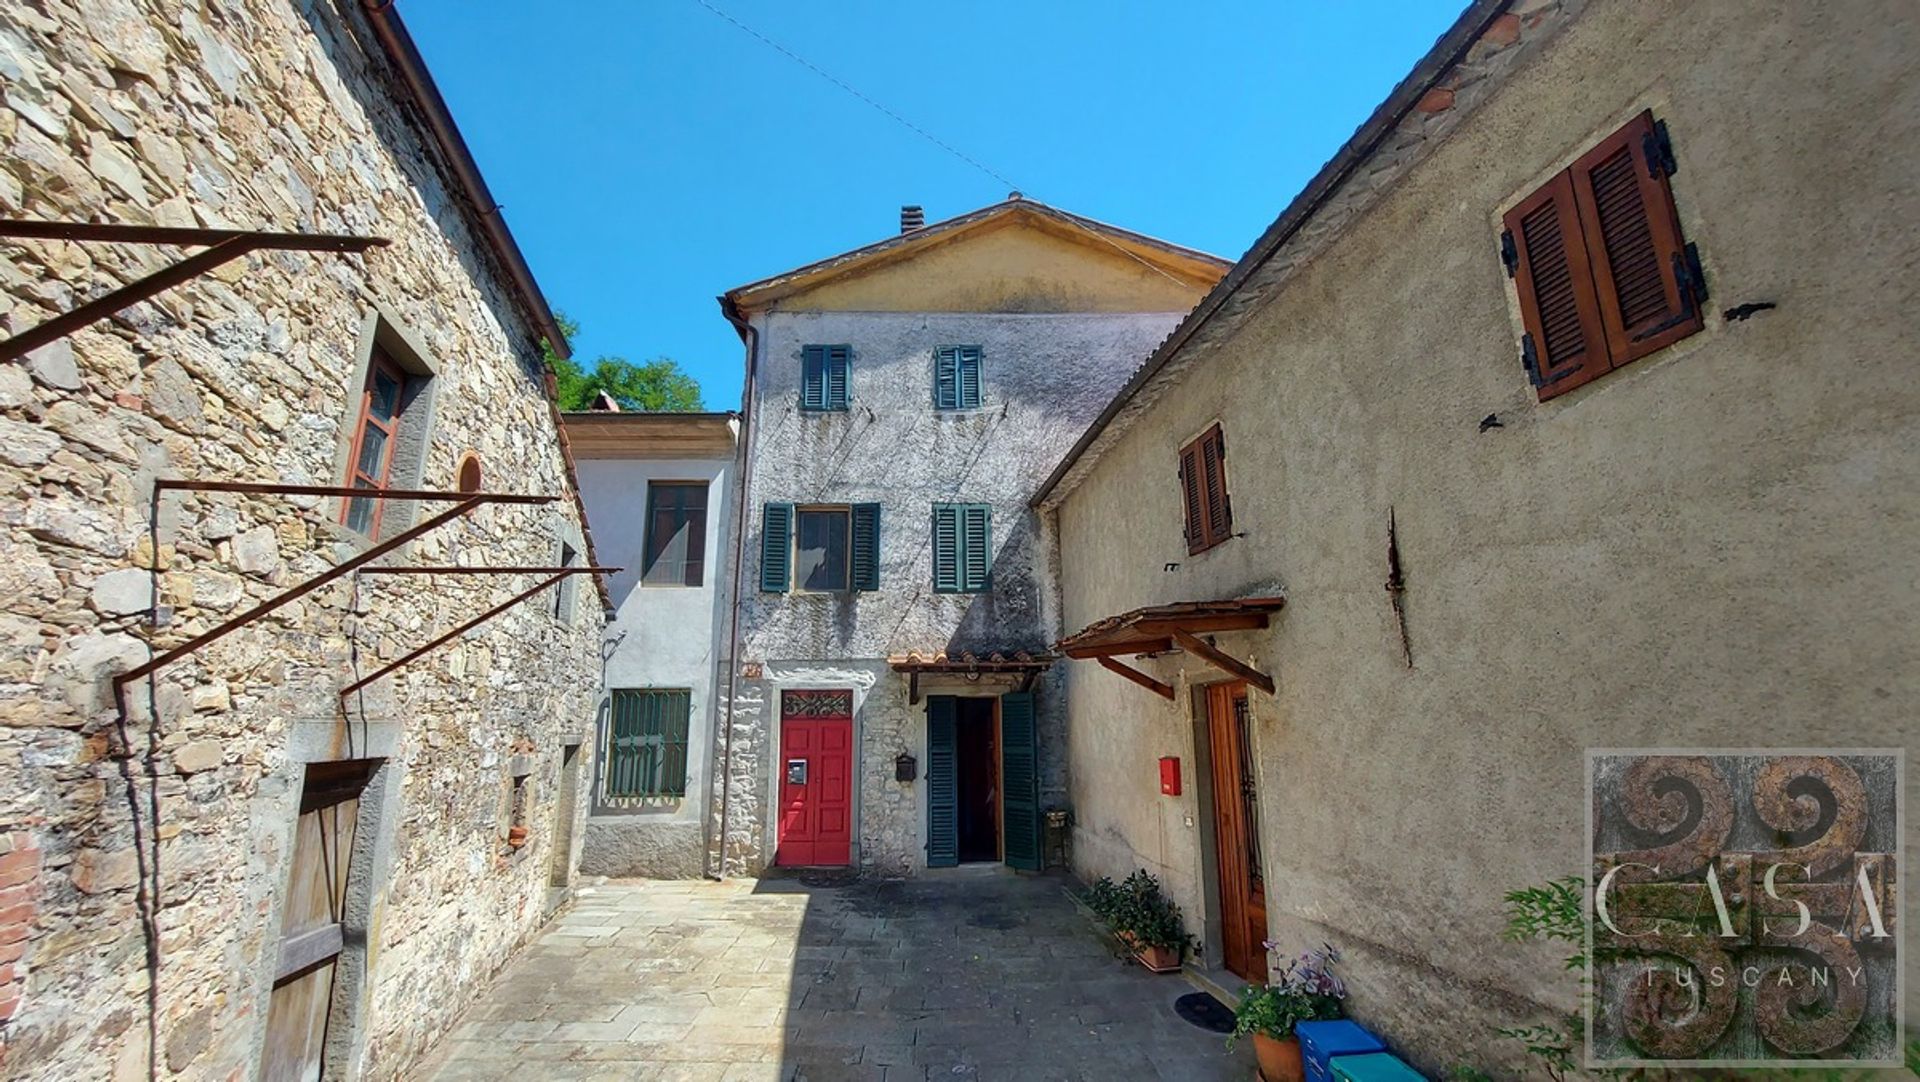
[(1143, 918), (1305, 990)]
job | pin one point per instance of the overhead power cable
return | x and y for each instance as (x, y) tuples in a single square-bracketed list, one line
[(836, 81)]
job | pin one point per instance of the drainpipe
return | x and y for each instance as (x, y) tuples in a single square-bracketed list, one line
[(743, 486)]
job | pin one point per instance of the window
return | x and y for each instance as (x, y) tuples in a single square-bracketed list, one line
[(962, 548), (1603, 274), (563, 590), (1203, 491), (646, 743), (826, 376), (378, 430), (820, 549), (956, 378), (676, 552)]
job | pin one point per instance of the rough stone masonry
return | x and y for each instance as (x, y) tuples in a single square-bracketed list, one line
[(256, 114)]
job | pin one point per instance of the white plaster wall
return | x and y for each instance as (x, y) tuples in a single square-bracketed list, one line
[(661, 637), (1044, 378)]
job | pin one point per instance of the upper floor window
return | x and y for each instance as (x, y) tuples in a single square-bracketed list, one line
[(820, 549), (826, 377), (956, 378), (377, 433), (1203, 491), (1603, 273), (962, 548), (565, 591), (676, 541)]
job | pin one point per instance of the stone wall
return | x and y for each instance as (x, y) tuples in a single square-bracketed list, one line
[(1692, 551), (278, 115), (1044, 377)]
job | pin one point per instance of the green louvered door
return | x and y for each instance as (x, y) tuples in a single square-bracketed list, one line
[(1020, 774), (943, 783)]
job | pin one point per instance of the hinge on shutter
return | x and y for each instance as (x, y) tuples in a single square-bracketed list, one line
[(1509, 254), (1530, 360), (1692, 285), (1657, 146)]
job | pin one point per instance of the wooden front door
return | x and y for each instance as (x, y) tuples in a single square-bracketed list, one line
[(313, 921), (816, 780), (1236, 833)]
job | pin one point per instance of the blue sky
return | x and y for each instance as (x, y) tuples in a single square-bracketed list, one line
[(650, 155)]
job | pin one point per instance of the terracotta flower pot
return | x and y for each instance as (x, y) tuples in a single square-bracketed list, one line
[(1279, 1060), (1158, 959)]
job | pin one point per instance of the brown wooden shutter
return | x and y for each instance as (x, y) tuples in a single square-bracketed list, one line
[(1639, 261), (1564, 346), (1193, 507), (1213, 464)]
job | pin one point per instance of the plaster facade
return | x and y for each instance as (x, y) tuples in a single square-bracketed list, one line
[(1695, 550), (1045, 374), (257, 114), (661, 636)]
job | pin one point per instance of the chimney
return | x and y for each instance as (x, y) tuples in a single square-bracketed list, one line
[(912, 218)]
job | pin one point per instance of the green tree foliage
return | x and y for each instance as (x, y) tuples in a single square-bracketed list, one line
[(658, 386)]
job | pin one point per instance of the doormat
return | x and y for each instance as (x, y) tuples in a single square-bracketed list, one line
[(1204, 1011)]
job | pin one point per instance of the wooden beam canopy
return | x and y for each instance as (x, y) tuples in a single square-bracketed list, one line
[(1223, 661), (1165, 691)]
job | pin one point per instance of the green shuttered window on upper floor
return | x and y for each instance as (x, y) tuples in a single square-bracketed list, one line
[(826, 377), (962, 548), (820, 549), (956, 378)]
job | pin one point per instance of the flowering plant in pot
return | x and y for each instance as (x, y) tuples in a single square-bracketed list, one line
[(1305, 990), (1143, 918)]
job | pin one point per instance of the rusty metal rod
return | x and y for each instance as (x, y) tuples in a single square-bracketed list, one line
[(125, 297), (455, 569), (267, 488), (299, 591), (160, 234), (462, 629)]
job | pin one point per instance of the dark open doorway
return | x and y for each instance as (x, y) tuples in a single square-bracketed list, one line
[(977, 755)]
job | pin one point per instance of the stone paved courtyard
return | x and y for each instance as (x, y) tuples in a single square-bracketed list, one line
[(973, 974)]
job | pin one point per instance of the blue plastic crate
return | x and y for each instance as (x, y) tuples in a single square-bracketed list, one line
[(1321, 1041), (1377, 1067)]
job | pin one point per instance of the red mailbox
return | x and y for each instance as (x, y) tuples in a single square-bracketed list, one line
[(1170, 776)]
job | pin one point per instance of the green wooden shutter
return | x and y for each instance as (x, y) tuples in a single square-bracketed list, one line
[(976, 560), (813, 378), (946, 378), (943, 784), (866, 546), (967, 377), (839, 388), (1020, 779), (776, 547), (946, 549)]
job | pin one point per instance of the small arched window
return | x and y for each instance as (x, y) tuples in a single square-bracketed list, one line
[(469, 475)]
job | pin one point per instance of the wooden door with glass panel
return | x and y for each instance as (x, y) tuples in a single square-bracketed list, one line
[(1236, 833)]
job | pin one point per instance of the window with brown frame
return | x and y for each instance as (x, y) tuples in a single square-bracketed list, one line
[(371, 465), (1203, 491), (1603, 273)]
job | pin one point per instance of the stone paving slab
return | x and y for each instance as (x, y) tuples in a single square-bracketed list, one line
[(968, 975)]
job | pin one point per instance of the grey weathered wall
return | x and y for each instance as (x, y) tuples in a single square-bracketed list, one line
[(661, 637), (254, 114), (1044, 377), (1707, 548)]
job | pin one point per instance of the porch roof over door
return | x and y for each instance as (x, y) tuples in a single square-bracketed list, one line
[(1158, 628)]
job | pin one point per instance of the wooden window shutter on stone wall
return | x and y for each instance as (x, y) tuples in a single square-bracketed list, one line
[(976, 547), (866, 546), (956, 378), (943, 795), (776, 547), (1206, 504), (826, 377), (969, 367), (946, 548), (1020, 774), (1603, 274)]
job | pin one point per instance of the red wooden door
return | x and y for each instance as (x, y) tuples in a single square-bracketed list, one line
[(816, 791)]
